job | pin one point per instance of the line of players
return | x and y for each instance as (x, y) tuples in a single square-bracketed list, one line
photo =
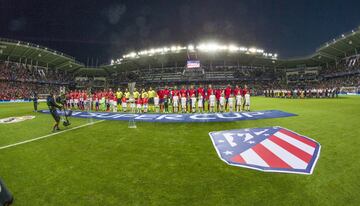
[(164, 100), (302, 93)]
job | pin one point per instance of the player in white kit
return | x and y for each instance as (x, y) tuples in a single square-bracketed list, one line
[(193, 103), (212, 100), (231, 103), (111, 103), (222, 102), (183, 104), (76, 101), (156, 103), (247, 102), (200, 104), (132, 105), (175, 102), (238, 102)]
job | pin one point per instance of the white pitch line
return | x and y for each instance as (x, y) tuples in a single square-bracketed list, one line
[(49, 135)]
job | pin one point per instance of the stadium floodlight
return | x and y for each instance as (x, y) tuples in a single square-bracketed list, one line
[(191, 47), (173, 48), (243, 49), (166, 49), (209, 47), (144, 52), (132, 54), (159, 50), (179, 48), (252, 50), (151, 51), (233, 48), (223, 47), (203, 47)]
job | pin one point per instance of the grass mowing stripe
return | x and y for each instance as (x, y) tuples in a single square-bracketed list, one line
[(49, 135)]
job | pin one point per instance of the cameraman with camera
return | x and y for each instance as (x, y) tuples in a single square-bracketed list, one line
[(51, 102)]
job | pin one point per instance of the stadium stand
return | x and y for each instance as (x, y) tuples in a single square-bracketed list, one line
[(20, 81), (26, 68)]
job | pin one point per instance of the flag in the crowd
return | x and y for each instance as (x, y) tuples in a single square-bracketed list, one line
[(273, 149)]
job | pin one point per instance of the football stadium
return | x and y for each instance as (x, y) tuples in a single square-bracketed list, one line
[(208, 122)]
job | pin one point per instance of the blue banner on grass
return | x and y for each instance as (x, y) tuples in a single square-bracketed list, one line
[(203, 117)]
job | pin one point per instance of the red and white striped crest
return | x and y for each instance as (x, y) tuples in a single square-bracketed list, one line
[(272, 149)]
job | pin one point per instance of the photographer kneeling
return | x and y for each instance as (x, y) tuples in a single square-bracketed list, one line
[(51, 102)]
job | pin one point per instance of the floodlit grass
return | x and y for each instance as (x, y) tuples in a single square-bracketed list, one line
[(175, 163)]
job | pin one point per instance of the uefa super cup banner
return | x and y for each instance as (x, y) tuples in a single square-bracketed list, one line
[(196, 117)]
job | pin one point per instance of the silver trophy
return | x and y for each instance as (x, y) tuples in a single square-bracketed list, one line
[(131, 87)]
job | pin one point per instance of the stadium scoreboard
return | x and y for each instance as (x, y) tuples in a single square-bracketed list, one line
[(193, 64)]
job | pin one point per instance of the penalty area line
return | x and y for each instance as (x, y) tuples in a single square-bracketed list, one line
[(48, 135)]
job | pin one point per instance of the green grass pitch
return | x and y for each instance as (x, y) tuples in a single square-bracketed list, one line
[(175, 163)]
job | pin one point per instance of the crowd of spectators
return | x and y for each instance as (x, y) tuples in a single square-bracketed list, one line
[(20, 81), (347, 64), (10, 71), (345, 81), (11, 90)]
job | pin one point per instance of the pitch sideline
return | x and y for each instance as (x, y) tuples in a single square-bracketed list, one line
[(48, 135)]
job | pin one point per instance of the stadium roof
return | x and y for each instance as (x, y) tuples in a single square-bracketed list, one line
[(179, 59), (29, 53), (346, 45), (329, 53)]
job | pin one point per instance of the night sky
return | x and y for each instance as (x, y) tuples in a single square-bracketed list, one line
[(101, 30)]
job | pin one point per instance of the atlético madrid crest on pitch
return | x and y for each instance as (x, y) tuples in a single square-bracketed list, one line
[(271, 149)]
